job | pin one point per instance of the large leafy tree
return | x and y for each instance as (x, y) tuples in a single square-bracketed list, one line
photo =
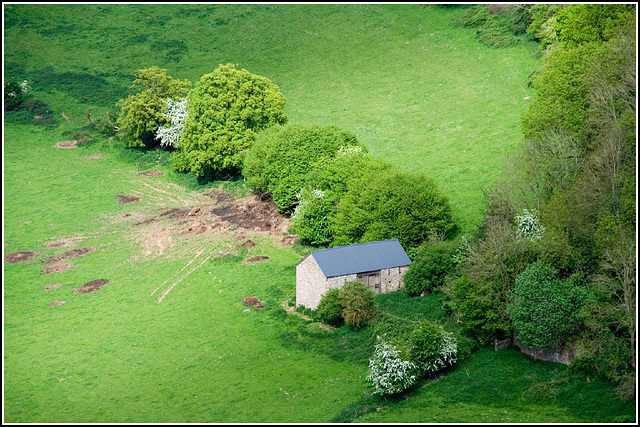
[(141, 113), (226, 110), (389, 205)]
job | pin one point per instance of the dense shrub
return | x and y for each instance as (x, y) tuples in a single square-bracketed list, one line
[(226, 109), (389, 372), (588, 23), (432, 348), (380, 206), (312, 216), (324, 186), (544, 309), (359, 304), (13, 96), (82, 137), (330, 308), (431, 264), (141, 113), (506, 28), (561, 102), (281, 158)]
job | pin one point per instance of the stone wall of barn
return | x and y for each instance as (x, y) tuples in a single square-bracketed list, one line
[(391, 279), (311, 284)]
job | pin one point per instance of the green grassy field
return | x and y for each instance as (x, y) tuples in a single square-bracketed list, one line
[(117, 355), (416, 88)]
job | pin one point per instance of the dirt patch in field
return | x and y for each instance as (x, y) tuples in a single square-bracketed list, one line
[(122, 199), (252, 213), (288, 239), (18, 257), (74, 253), (56, 303), (52, 287), (91, 286), (257, 258), (67, 144), (56, 268), (248, 244), (218, 195), (250, 301), (175, 213), (146, 221), (152, 173)]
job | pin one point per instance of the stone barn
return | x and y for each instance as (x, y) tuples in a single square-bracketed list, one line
[(380, 265)]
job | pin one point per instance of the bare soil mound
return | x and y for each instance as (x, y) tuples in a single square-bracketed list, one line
[(152, 173), (253, 215), (56, 303), (52, 287), (74, 253), (56, 268), (91, 286), (257, 258), (122, 199), (67, 144), (18, 257), (247, 244), (250, 301)]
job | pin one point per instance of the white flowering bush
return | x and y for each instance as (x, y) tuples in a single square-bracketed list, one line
[(176, 112), (432, 348), (528, 226), (311, 218), (389, 372), (24, 87)]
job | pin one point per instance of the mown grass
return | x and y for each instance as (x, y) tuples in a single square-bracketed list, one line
[(116, 355), (415, 87)]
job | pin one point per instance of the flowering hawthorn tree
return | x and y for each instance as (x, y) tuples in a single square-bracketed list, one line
[(175, 113)]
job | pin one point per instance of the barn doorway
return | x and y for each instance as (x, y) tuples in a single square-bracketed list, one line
[(371, 279)]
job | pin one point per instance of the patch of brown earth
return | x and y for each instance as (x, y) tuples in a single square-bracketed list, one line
[(250, 300), (218, 195), (248, 244), (18, 257), (257, 258), (122, 199), (146, 221), (254, 214), (91, 286), (288, 239), (56, 303), (152, 173), (52, 287), (198, 227), (74, 253), (67, 144), (175, 213), (56, 268), (195, 212)]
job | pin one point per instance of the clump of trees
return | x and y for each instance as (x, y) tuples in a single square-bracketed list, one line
[(339, 194), (141, 114), (226, 109), (554, 260)]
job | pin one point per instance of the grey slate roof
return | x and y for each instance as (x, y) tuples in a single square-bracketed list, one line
[(361, 257)]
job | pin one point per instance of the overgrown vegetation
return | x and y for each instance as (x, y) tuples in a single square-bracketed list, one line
[(569, 202)]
